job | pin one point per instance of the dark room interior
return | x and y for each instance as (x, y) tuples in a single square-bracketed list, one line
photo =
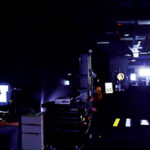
[(75, 75)]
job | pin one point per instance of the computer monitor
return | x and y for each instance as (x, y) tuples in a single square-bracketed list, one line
[(5, 94)]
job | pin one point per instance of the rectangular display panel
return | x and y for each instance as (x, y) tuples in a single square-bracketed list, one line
[(109, 88)]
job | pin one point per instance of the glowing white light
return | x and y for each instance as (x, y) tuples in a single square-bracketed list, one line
[(69, 74), (133, 77), (143, 22), (144, 123), (144, 72), (128, 55), (126, 34), (128, 122), (43, 109), (66, 82), (42, 101), (120, 76), (135, 55), (108, 87), (133, 60), (3, 93), (144, 53)]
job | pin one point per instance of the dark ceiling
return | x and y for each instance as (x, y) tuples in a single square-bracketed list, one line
[(45, 38)]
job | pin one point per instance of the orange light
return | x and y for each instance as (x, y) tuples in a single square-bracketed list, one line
[(98, 89), (119, 24)]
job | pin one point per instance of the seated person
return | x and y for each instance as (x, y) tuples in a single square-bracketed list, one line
[(9, 119), (10, 129), (9, 126), (97, 100)]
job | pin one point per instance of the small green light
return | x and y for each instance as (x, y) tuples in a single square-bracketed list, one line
[(10, 101)]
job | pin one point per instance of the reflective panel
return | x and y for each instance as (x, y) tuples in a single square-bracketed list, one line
[(116, 122), (144, 123), (128, 122)]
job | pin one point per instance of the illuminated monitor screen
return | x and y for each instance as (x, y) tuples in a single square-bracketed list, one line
[(4, 94), (108, 88)]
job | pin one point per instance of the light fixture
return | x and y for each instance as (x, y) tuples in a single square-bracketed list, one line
[(66, 82), (103, 43), (144, 72), (126, 35), (135, 54), (135, 49), (133, 77), (69, 74), (143, 22), (120, 76)]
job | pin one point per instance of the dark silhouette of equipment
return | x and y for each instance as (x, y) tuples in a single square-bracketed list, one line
[(66, 122), (66, 119)]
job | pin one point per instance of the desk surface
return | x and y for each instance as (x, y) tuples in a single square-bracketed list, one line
[(4, 123)]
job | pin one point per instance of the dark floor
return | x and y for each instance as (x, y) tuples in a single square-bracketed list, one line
[(134, 104)]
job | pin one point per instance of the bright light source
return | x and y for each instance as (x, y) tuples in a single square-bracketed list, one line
[(3, 93), (133, 77), (43, 109), (120, 76), (144, 53), (128, 122), (144, 72), (143, 22), (69, 74), (135, 55), (144, 122), (126, 34), (108, 87), (66, 82)]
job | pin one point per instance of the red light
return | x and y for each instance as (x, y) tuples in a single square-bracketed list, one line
[(92, 99), (88, 117)]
